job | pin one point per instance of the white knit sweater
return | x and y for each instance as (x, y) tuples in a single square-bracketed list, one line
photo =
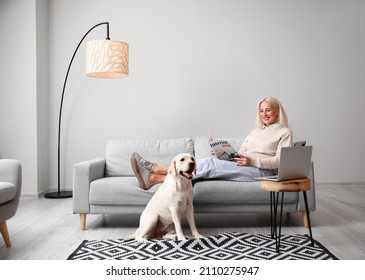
[(263, 145)]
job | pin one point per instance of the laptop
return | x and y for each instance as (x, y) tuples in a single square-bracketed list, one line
[(294, 164)]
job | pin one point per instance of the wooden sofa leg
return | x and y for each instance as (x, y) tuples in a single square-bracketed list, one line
[(305, 219), (82, 221), (5, 233)]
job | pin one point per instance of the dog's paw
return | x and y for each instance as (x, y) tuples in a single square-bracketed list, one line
[(198, 236), (127, 238), (141, 240), (181, 238), (170, 236)]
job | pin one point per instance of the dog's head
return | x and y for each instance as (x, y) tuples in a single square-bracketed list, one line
[(183, 165)]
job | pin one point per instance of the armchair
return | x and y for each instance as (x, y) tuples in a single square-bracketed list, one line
[(10, 188)]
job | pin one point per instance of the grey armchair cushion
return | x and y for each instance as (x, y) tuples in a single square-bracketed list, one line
[(10, 188), (7, 192), (10, 175)]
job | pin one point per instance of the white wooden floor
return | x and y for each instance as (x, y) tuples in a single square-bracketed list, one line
[(44, 229)]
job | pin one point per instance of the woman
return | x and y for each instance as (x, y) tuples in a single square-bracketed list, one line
[(258, 155)]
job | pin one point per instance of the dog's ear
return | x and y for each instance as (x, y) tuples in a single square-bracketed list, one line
[(172, 169), (194, 166)]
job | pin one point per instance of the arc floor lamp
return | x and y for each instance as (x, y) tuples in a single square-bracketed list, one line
[(104, 59)]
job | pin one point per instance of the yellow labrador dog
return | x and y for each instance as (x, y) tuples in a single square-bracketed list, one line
[(162, 215)]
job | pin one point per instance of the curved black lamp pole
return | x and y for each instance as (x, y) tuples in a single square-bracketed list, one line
[(59, 193)]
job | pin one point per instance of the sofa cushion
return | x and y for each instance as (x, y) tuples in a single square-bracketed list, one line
[(126, 191), (7, 192), (119, 191), (202, 148), (232, 192), (162, 152)]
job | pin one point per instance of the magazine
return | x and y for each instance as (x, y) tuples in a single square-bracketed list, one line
[(222, 149)]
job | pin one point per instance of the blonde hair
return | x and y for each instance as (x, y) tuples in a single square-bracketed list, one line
[(282, 118)]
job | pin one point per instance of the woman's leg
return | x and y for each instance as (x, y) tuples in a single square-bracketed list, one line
[(147, 173), (162, 170), (156, 178), (213, 168), (158, 174)]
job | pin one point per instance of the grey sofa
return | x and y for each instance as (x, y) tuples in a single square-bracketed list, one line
[(10, 188), (108, 185)]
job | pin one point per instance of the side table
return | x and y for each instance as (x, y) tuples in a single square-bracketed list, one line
[(299, 185)]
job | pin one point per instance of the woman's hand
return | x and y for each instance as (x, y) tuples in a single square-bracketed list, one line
[(242, 160)]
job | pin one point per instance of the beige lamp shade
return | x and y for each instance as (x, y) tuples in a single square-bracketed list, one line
[(106, 59)]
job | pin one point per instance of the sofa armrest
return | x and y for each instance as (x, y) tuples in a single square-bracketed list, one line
[(311, 194), (83, 174)]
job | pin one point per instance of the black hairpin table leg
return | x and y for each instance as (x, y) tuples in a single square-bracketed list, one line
[(282, 187)]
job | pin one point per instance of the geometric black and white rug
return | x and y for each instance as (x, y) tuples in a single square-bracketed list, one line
[(223, 246)]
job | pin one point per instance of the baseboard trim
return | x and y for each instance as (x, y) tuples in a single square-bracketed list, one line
[(40, 194), (339, 184), (29, 196)]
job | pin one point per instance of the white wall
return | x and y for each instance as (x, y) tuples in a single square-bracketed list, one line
[(42, 39), (24, 128), (200, 66), (18, 134)]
